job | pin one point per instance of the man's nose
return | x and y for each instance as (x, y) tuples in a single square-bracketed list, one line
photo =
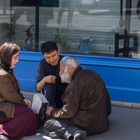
[(51, 59)]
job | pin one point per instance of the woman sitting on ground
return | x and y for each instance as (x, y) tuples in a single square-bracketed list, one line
[(16, 118)]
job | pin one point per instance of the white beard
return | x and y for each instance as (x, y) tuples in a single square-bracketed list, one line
[(65, 77)]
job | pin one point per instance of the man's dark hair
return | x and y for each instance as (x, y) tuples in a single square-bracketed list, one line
[(49, 47)]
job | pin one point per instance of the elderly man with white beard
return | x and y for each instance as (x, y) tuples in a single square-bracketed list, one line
[(86, 103)]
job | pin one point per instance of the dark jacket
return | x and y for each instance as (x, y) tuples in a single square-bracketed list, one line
[(9, 93), (45, 69), (86, 102)]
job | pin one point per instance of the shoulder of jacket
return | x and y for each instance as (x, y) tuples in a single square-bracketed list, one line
[(43, 62)]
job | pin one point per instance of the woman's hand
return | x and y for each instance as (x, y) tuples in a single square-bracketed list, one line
[(27, 102)]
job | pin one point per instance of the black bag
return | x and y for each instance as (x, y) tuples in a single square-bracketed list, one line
[(42, 116), (39, 105)]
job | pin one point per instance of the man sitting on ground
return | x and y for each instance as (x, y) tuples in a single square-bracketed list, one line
[(86, 103)]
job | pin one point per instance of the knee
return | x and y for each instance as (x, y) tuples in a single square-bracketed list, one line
[(31, 115), (49, 124)]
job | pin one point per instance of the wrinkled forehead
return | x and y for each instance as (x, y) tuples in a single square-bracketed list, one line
[(62, 66)]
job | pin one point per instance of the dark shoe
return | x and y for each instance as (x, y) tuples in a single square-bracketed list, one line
[(80, 135), (3, 137)]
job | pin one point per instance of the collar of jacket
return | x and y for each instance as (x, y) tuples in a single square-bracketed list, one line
[(75, 73)]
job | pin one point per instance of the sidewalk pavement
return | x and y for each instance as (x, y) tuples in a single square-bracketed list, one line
[(124, 125)]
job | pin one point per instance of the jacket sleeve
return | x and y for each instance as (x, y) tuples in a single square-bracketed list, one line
[(71, 100), (9, 93)]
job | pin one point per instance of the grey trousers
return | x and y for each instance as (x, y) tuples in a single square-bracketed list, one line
[(61, 128)]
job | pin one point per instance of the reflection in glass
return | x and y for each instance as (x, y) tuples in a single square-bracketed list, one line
[(111, 23)]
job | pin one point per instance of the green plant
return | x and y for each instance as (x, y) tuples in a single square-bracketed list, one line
[(63, 41), (9, 30)]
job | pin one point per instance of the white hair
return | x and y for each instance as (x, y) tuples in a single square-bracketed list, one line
[(67, 60)]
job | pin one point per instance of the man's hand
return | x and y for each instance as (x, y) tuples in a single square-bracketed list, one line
[(50, 79), (49, 110)]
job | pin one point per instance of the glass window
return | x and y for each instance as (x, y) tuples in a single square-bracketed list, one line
[(93, 27)]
